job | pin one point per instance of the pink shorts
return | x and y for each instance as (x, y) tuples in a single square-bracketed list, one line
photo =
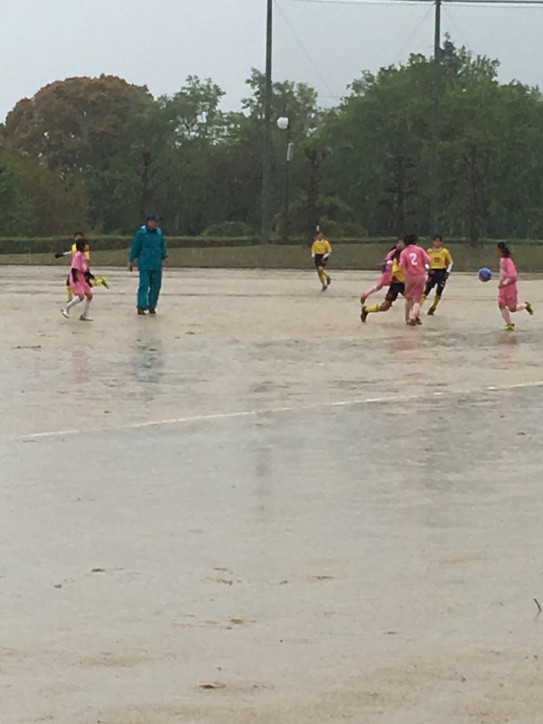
[(414, 288), (80, 286), (508, 295)]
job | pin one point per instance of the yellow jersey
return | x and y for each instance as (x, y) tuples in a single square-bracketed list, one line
[(74, 249), (440, 258), (322, 246), (398, 274)]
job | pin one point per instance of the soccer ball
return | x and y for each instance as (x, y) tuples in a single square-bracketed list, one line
[(484, 274)]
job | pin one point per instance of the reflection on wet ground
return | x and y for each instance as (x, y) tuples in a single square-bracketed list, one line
[(275, 517)]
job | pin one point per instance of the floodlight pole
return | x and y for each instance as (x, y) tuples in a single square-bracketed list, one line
[(434, 174), (266, 215)]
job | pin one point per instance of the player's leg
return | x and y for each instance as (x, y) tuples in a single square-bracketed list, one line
[(325, 275), (391, 296), (84, 316), (69, 289), (509, 326), (415, 311), (440, 286), (322, 278), (73, 301), (143, 291), (155, 282), (523, 306), (427, 289), (100, 280), (377, 287)]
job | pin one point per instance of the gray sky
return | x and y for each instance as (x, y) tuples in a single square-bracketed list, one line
[(159, 42)]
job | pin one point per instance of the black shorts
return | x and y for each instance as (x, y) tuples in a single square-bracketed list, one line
[(437, 278), (394, 289), (320, 261)]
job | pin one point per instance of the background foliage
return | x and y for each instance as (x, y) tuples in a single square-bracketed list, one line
[(98, 153)]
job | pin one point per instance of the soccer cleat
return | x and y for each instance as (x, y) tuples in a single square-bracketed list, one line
[(412, 322), (84, 318), (363, 314), (152, 310), (431, 311), (104, 282), (141, 310), (418, 320), (324, 288), (508, 328), (329, 281), (65, 313), (529, 308)]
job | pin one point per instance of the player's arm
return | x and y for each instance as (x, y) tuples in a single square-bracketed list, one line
[(327, 250), (449, 260), (135, 250), (59, 254), (164, 250)]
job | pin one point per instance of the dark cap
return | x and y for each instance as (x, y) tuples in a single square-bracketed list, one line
[(152, 217)]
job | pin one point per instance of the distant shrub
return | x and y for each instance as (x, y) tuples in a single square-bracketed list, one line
[(228, 228)]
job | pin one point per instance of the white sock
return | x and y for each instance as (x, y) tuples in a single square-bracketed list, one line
[(71, 304), (520, 307), (86, 306)]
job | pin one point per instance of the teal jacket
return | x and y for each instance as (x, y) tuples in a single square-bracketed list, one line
[(149, 248)]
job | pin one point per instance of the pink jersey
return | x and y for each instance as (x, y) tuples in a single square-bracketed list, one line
[(508, 271), (387, 269), (508, 293), (80, 263), (414, 260)]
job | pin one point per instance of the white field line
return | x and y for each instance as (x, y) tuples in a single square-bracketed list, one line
[(275, 410)]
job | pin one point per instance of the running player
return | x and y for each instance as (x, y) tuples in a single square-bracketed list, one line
[(80, 280), (415, 261), (397, 286), (320, 251), (93, 281), (507, 288), (441, 263), (384, 279)]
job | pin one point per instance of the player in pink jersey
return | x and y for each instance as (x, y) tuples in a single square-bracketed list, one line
[(415, 260), (507, 288), (80, 278), (384, 279)]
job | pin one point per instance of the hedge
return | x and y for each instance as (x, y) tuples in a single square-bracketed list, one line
[(45, 245)]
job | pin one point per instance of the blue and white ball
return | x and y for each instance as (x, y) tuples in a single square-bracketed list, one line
[(484, 274)]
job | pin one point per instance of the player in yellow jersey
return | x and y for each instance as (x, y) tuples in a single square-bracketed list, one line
[(397, 285), (93, 281), (441, 263), (320, 251)]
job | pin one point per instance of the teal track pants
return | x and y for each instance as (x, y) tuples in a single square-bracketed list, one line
[(149, 288)]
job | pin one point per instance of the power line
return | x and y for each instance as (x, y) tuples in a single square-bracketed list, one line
[(488, 3), (303, 49)]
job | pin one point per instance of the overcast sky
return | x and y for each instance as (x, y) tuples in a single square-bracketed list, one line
[(158, 43)]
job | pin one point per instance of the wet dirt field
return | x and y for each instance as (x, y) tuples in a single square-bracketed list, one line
[(252, 508)]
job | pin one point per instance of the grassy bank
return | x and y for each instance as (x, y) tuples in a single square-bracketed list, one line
[(528, 257)]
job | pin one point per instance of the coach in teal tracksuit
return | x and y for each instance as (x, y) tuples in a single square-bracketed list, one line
[(149, 248)]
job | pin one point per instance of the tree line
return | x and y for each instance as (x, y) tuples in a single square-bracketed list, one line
[(98, 153)]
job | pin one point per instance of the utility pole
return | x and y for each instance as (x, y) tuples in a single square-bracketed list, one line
[(434, 174), (266, 217)]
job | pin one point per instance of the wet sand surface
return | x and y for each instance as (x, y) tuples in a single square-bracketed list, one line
[(252, 508)]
